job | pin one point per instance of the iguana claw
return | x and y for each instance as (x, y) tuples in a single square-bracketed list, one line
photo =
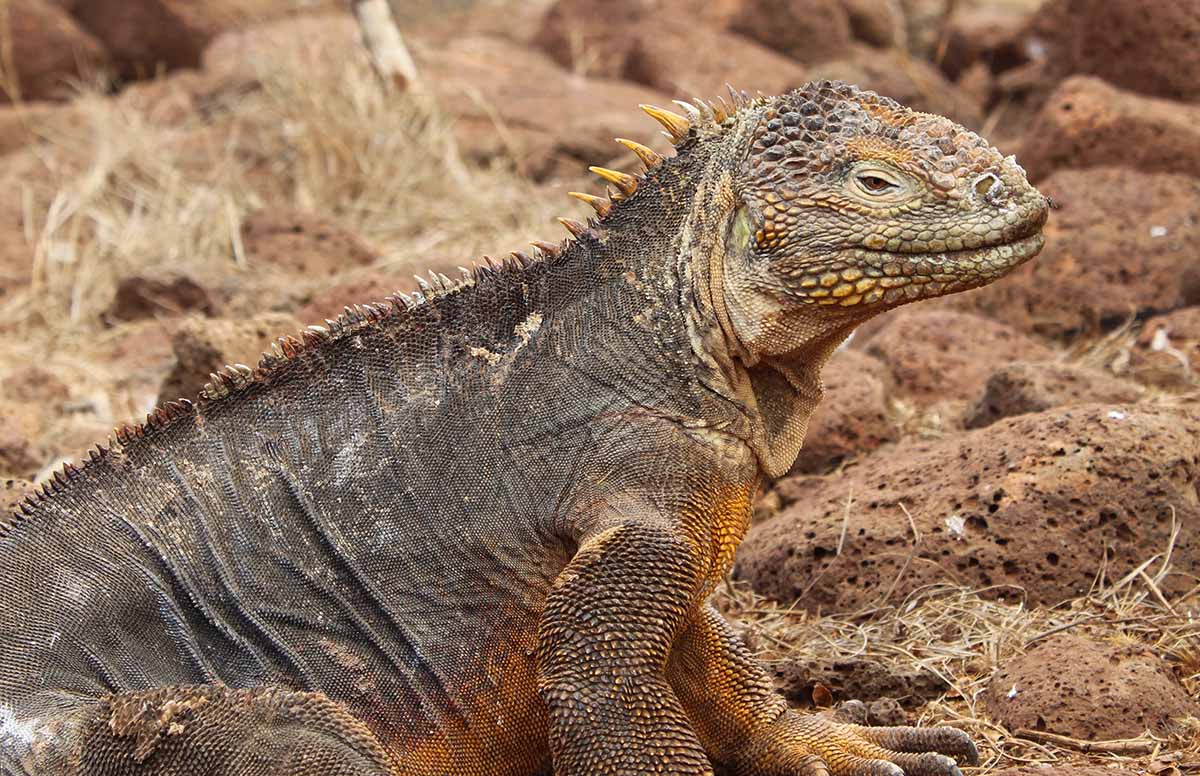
[(817, 746)]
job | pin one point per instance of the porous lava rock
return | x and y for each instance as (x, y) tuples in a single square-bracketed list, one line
[(145, 36), (1121, 243), (853, 417), (31, 397), (1022, 387), (856, 678), (1167, 350), (635, 41), (514, 102), (937, 355), (49, 52), (140, 297), (880, 24), (304, 243), (1148, 46), (991, 37), (12, 493), (805, 30), (1037, 502), (591, 38), (204, 345), (1087, 688), (1088, 123), (20, 455), (33, 383), (330, 301), (910, 81)]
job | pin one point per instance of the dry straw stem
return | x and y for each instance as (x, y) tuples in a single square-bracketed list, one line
[(961, 635)]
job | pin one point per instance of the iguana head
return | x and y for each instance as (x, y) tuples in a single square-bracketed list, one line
[(847, 203), (795, 218)]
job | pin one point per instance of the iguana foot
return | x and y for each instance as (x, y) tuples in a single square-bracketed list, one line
[(803, 745)]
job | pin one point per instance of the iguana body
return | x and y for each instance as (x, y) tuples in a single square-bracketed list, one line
[(476, 534)]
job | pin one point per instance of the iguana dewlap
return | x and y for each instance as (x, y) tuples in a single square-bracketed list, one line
[(474, 531)]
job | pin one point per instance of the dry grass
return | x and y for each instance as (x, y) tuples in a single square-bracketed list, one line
[(120, 194), (961, 636)]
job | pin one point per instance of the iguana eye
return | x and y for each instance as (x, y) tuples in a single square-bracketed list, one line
[(875, 184)]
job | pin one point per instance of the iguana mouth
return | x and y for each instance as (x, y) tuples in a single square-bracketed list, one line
[(869, 277), (1022, 249)]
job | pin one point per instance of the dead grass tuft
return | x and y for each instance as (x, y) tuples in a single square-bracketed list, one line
[(122, 195), (961, 635)]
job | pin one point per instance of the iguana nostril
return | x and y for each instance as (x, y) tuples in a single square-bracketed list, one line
[(985, 184)]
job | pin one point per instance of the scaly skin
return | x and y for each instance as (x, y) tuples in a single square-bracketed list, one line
[(476, 533)]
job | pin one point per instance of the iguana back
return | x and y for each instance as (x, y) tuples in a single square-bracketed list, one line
[(379, 515)]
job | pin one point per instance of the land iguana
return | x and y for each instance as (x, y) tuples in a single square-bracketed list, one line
[(474, 530)]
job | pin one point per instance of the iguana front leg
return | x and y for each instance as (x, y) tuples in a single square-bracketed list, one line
[(744, 724), (606, 632)]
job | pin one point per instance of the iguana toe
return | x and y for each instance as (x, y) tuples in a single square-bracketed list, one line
[(942, 740), (817, 746)]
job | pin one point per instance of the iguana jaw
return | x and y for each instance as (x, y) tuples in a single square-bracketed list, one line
[(871, 281)]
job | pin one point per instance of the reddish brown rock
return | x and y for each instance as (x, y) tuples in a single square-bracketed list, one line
[(805, 30), (700, 62), (50, 53), (988, 36), (861, 679), (1087, 688), (142, 35), (1121, 243), (1030, 502), (977, 84), (910, 81), (203, 346), (303, 243), (145, 36), (513, 102), (329, 302), (877, 22), (594, 39), (1167, 352), (636, 41), (936, 355), (12, 493), (20, 455), (1087, 123), (32, 383), (139, 297), (853, 417), (1148, 47), (1022, 387)]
